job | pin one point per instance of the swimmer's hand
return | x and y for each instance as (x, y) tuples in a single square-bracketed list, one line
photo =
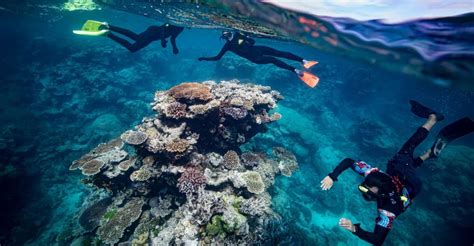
[(347, 224), (327, 183)]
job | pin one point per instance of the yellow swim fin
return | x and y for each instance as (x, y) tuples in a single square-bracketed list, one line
[(92, 28)]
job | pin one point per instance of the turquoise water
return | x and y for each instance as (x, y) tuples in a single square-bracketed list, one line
[(64, 94)]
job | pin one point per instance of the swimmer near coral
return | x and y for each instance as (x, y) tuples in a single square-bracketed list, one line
[(395, 189), (245, 47), (139, 41)]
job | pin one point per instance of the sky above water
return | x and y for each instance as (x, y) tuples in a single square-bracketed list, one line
[(391, 11)]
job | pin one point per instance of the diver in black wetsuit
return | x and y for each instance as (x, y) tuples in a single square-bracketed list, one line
[(152, 33), (245, 47), (395, 189)]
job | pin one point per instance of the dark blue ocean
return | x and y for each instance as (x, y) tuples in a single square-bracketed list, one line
[(62, 94)]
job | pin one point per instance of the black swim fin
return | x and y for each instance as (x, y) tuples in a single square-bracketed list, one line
[(424, 112), (451, 132)]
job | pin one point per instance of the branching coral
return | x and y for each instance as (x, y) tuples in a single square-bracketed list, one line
[(257, 206), (231, 160), (191, 180), (177, 146), (205, 205), (235, 113), (176, 110)]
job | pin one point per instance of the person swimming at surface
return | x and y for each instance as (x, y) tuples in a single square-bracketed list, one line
[(395, 189), (245, 47), (141, 40)]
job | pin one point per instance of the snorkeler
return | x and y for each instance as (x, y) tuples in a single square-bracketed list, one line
[(243, 46), (395, 189), (140, 41)]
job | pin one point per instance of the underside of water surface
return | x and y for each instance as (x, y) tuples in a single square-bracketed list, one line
[(62, 95)]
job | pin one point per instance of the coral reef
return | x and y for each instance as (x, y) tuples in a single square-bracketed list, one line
[(184, 163), (286, 161), (114, 226), (231, 160)]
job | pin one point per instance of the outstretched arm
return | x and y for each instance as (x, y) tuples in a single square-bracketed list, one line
[(218, 56), (382, 228), (359, 167)]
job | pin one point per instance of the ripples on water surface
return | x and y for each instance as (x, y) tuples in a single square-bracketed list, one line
[(61, 95)]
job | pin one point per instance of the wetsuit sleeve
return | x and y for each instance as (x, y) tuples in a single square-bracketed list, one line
[(218, 56), (359, 167), (382, 228)]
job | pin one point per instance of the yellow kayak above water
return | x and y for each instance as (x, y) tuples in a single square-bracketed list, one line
[(91, 28)]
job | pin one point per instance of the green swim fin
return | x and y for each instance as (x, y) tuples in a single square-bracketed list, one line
[(451, 132), (92, 28)]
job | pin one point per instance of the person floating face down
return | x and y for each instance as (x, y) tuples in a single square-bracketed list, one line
[(395, 189), (141, 40), (245, 47)]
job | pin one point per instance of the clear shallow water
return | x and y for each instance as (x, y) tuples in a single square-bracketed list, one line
[(64, 94)]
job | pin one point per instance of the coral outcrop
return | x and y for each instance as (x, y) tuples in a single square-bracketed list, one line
[(182, 179)]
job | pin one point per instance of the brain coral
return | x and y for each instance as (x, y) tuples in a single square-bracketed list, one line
[(254, 182), (231, 160), (190, 92), (134, 137), (92, 167)]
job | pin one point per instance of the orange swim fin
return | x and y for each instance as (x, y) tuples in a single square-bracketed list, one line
[(310, 79), (309, 64)]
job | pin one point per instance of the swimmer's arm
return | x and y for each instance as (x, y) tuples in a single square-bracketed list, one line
[(218, 56), (359, 167), (383, 224), (341, 167), (377, 237)]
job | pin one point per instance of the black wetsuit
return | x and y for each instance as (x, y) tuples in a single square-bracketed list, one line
[(244, 46), (143, 39), (405, 182)]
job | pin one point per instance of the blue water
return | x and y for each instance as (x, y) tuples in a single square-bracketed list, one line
[(61, 95)]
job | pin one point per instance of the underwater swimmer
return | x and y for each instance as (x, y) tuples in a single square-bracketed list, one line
[(140, 41), (395, 189), (244, 46)]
